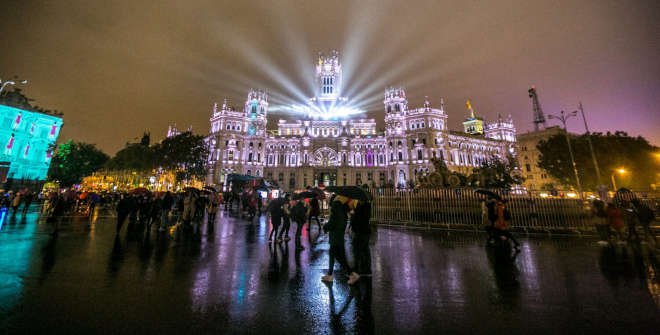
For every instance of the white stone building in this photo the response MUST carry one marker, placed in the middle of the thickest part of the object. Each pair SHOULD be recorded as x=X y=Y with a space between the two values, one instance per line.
x=329 y=146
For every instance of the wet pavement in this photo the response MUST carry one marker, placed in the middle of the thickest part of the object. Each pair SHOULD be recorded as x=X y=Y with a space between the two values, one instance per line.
x=229 y=280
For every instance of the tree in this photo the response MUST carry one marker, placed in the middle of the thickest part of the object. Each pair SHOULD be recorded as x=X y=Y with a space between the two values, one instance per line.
x=74 y=160
x=497 y=173
x=134 y=157
x=185 y=153
x=613 y=151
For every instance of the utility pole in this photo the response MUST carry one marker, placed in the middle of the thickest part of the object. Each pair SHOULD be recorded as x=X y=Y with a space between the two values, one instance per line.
x=591 y=147
x=563 y=117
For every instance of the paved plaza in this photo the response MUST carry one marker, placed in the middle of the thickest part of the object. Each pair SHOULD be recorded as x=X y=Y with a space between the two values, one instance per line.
x=228 y=279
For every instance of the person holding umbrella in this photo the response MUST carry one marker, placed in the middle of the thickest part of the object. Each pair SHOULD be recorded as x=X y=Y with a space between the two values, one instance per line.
x=361 y=234
x=276 y=212
x=314 y=212
x=336 y=227
x=299 y=214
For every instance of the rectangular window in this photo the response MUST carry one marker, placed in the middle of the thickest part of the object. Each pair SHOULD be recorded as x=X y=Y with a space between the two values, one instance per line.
x=528 y=167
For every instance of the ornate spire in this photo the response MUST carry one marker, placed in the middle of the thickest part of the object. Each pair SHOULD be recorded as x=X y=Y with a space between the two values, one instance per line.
x=469 y=107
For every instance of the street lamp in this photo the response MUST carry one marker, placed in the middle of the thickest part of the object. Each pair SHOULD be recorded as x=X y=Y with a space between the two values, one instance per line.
x=563 y=117
x=619 y=171
x=10 y=82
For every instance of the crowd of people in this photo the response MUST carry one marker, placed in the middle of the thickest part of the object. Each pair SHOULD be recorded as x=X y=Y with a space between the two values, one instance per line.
x=344 y=212
x=20 y=200
x=618 y=221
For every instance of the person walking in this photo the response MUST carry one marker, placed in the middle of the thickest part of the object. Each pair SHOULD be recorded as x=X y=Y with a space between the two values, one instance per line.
x=15 y=203
x=188 y=208
x=165 y=208
x=645 y=216
x=314 y=212
x=615 y=220
x=212 y=208
x=361 y=234
x=27 y=201
x=286 y=220
x=275 y=210
x=299 y=214
x=124 y=208
x=57 y=213
x=599 y=215
x=501 y=225
x=336 y=227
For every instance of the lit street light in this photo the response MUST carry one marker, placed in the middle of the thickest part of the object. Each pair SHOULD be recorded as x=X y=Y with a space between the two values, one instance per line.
x=619 y=171
x=563 y=117
x=10 y=82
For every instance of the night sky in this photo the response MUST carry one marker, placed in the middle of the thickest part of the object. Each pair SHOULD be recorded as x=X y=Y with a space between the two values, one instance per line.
x=117 y=68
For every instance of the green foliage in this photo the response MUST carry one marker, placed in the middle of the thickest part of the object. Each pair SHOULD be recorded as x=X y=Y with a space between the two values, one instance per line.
x=185 y=153
x=133 y=157
x=74 y=160
x=497 y=173
x=613 y=151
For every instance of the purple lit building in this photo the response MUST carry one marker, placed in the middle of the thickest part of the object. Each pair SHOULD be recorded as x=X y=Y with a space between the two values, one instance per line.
x=329 y=146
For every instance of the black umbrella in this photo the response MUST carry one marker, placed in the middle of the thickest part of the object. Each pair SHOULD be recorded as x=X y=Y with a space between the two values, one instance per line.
x=319 y=192
x=191 y=189
x=305 y=195
x=353 y=192
x=210 y=188
x=624 y=194
x=489 y=194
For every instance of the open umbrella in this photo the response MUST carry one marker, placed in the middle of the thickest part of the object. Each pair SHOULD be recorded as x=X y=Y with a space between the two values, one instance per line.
x=191 y=189
x=353 y=192
x=489 y=194
x=305 y=195
x=320 y=194
x=624 y=194
x=139 y=190
x=210 y=188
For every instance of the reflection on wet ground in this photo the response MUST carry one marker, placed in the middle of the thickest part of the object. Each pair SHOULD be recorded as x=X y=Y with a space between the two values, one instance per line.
x=228 y=279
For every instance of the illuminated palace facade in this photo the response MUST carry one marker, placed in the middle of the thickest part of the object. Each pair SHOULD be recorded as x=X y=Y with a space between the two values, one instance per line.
x=327 y=146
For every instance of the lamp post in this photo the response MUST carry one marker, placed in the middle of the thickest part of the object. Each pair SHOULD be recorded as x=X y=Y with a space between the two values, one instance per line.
x=563 y=117
x=620 y=171
x=9 y=82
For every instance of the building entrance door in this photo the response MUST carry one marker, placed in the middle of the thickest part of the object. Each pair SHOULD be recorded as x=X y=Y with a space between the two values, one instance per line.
x=325 y=178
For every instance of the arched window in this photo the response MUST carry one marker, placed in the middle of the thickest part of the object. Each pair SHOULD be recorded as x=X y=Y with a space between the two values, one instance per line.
x=400 y=156
x=419 y=155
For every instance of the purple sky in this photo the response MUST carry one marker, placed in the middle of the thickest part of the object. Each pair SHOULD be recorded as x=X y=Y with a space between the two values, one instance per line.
x=117 y=68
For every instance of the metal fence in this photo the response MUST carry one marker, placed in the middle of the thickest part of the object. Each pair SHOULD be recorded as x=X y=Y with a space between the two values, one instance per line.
x=462 y=209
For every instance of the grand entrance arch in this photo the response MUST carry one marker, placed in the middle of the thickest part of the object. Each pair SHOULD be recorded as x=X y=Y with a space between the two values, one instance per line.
x=326 y=161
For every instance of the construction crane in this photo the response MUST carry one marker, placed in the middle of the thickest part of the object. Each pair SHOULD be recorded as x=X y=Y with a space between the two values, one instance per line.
x=539 y=118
